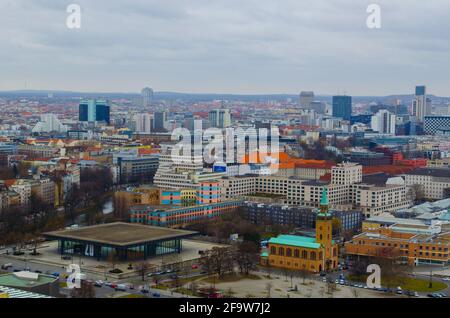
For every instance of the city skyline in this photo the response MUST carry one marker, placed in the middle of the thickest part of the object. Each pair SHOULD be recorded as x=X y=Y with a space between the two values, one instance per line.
x=246 y=48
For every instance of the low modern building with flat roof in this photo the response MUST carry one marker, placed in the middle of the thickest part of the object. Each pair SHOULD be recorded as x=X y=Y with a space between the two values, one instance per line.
x=122 y=241
x=31 y=282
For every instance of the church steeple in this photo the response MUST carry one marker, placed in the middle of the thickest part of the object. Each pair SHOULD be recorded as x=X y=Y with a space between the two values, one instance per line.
x=324 y=202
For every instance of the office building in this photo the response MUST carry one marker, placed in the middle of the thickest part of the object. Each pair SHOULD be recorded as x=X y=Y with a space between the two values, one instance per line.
x=383 y=122
x=342 y=107
x=306 y=98
x=94 y=111
x=435 y=124
x=421 y=105
x=431 y=183
x=220 y=118
x=143 y=123
x=159 y=121
x=147 y=96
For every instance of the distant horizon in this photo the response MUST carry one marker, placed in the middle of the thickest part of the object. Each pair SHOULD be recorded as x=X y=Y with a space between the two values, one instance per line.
x=68 y=91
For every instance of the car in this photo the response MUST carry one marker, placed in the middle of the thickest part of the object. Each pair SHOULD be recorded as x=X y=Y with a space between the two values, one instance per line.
x=443 y=295
x=336 y=281
x=194 y=266
x=446 y=279
x=98 y=283
x=7 y=266
x=434 y=295
x=399 y=290
x=156 y=295
x=121 y=287
x=145 y=291
x=415 y=294
x=322 y=274
x=324 y=279
x=169 y=271
x=55 y=274
x=341 y=281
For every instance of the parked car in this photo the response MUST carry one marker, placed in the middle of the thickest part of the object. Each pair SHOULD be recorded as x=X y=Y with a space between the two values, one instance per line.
x=446 y=279
x=322 y=274
x=98 y=283
x=156 y=295
x=7 y=266
x=121 y=287
x=399 y=290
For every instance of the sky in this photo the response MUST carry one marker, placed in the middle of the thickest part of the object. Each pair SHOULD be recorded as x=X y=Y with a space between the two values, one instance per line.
x=226 y=46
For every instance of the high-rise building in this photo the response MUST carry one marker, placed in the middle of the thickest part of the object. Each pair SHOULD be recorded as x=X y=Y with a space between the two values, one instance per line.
x=342 y=107
x=147 y=96
x=143 y=123
x=159 y=121
x=421 y=105
x=220 y=118
x=383 y=122
x=94 y=111
x=306 y=98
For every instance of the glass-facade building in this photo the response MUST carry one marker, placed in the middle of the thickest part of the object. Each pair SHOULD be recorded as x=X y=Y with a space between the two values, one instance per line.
x=94 y=110
x=342 y=107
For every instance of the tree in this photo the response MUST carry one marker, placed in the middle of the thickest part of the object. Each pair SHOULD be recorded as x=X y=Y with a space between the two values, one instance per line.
x=143 y=269
x=247 y=256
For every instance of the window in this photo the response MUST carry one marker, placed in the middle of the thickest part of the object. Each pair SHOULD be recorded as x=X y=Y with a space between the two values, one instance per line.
x=288 y=252
x=273 y=250
x=304 y=254
x=281 y=251
x=312 y=256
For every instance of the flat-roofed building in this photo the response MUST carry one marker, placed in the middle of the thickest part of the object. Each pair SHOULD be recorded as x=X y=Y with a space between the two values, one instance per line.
x=122 y=241
x=432 y=182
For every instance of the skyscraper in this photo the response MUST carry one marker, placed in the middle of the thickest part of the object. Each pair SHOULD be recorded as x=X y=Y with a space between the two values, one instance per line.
x=147 y=96
x=421 y=105
x=143 y=123
x=342 y=107
x=94 y=110
x=383 y=122
x=159 y=121
x=220 y=118
x=306 y=98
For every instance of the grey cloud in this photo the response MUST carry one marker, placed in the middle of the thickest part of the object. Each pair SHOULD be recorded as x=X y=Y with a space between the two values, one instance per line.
x=241 y=46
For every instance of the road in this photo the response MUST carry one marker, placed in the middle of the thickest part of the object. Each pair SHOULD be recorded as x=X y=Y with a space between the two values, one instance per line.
x=101 y=292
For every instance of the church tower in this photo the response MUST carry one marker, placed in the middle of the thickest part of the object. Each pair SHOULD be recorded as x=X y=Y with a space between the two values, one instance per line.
x=324 y=228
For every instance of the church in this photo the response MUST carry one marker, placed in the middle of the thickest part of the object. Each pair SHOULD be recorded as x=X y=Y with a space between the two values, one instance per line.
x=313 y=254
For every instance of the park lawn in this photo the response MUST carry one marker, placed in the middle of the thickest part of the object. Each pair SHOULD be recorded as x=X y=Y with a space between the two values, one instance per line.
x=406 y=283
x=229 y=278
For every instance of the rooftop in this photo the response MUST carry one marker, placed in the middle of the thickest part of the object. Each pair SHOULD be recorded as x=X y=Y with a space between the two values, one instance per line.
x=119 y=234
x=433 y=172
x=14 y=280
x=294 y=240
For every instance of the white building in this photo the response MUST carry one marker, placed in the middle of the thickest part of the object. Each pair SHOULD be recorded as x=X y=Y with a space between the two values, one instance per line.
x=383 y=122
x=432 y=183
x=346 y=173
x=49 y=123
x=143 y=122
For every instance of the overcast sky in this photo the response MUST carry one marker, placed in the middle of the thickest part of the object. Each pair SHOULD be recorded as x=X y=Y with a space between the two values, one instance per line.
x=226 y=46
